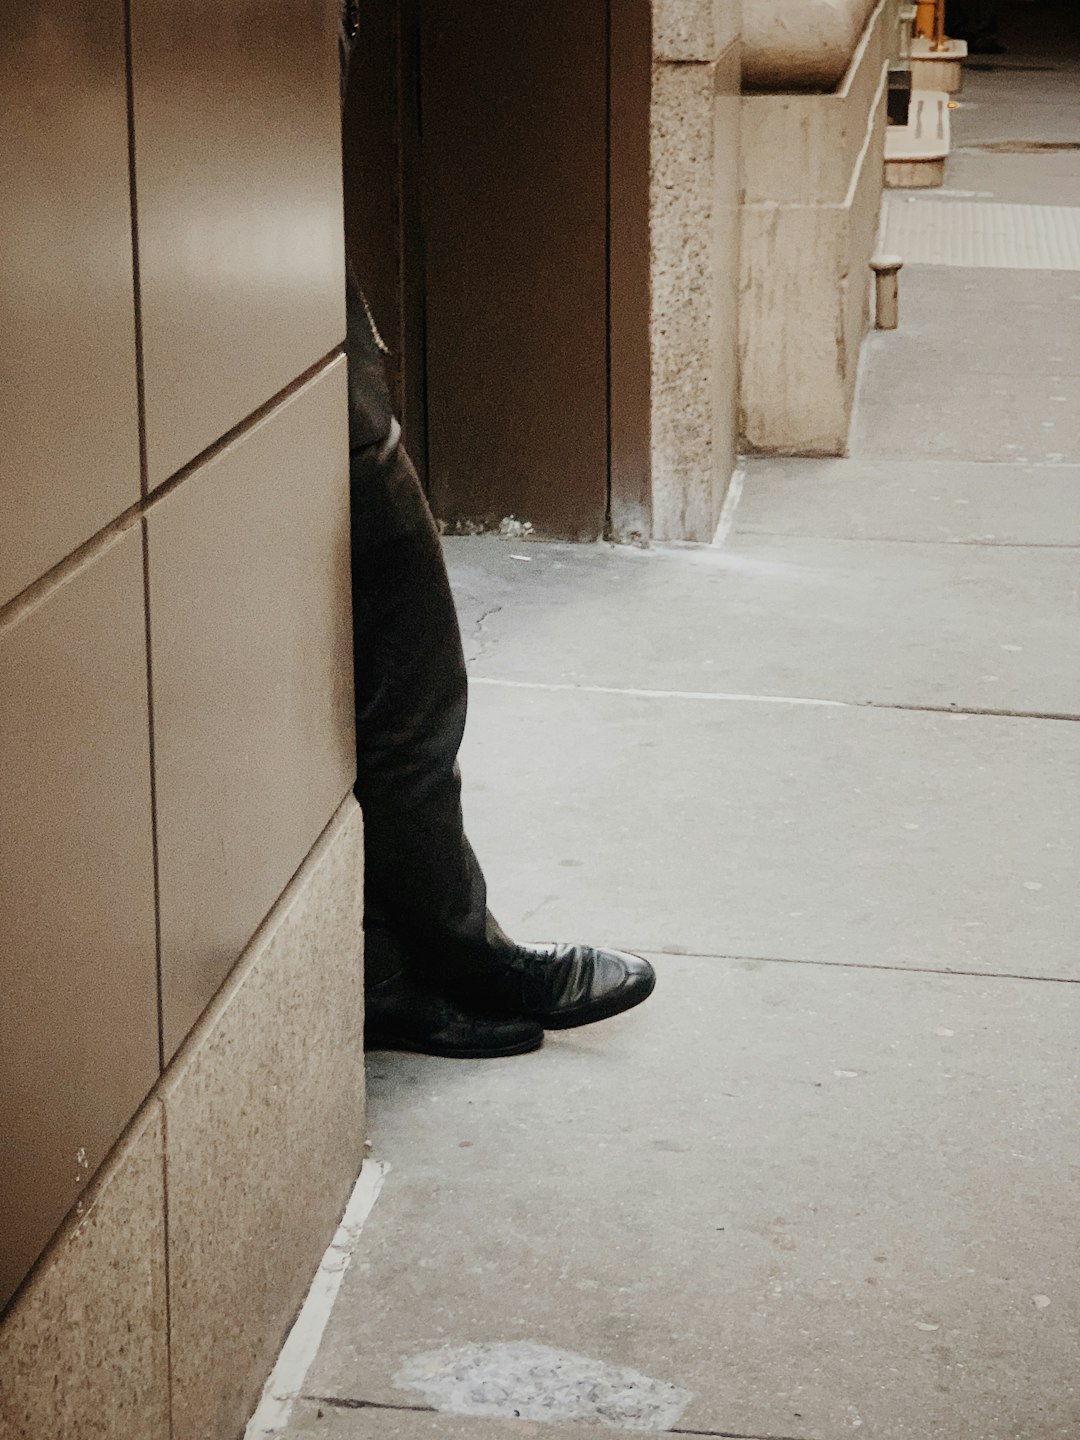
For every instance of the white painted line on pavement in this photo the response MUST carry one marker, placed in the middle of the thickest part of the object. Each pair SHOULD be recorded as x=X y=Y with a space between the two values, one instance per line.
x=302 y=1344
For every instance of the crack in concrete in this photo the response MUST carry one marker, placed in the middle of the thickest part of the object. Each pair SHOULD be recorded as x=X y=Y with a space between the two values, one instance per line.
x=348 y=1402
x=479 y=637
x=732 y=1435
x=972 y=544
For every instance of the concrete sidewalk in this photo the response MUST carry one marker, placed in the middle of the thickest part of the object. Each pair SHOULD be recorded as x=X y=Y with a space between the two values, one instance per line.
x=825 y=1182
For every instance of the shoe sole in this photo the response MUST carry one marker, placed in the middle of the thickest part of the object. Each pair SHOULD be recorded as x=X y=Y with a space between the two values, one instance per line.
x=615 y=1004
x=450 y=1052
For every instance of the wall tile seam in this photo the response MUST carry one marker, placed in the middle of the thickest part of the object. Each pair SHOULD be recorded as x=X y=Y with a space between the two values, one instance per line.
x=33 y=596
x=80 y=1213
x=167 y=1257
x=136 y=275
x=155 y=846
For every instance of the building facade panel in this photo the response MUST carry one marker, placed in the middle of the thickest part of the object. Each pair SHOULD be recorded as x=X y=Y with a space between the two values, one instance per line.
x=238 y=165
x=80 y=1025
x=252 y=677
x=69 y=443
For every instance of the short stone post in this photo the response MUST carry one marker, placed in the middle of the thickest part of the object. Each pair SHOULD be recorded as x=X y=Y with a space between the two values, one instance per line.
x=886 y=270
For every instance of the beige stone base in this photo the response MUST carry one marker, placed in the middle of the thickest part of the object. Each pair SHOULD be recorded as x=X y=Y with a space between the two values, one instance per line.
x=938 y=69
x=915 y=153
x=812 y=183
x=914 y=174
x=158 y=1310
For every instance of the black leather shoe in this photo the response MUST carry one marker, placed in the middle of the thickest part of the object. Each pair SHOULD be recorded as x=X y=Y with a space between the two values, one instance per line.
x=399 y=1015
x=563 y=986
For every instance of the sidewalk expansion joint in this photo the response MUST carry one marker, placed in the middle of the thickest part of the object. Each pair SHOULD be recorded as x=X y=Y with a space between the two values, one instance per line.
x=972 y=544
x=858 y=965
x=734 y=697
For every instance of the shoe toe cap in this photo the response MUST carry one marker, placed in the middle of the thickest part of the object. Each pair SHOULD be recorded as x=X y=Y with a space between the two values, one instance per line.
x=639 y=973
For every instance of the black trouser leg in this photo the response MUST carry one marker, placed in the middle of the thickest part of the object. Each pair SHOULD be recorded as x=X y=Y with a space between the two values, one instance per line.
x=424 y=890
x=425 y=896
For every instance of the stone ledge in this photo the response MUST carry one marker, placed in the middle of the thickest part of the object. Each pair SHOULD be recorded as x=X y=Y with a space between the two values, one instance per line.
x=801 y=44
x=938 y=69
x=805 y=278
x=804 y=149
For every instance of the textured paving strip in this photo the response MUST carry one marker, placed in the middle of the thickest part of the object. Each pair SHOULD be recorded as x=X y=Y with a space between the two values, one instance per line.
x=975 y=234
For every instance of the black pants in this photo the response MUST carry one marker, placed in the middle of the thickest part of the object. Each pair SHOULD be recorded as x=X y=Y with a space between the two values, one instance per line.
x=425 y=897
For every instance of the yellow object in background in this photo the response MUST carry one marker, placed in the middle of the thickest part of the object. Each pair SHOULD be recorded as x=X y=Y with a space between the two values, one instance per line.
x=930 y=21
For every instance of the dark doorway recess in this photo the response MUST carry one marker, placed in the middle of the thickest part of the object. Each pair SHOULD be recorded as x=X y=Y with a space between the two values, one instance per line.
x=497 y=206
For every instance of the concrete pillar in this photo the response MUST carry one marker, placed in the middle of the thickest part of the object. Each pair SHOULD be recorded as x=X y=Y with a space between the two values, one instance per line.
x=695 y=248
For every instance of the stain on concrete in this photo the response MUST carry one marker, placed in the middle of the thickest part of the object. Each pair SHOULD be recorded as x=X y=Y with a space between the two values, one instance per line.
x=990 y=68
x=524 y=1381
x=1025 y=147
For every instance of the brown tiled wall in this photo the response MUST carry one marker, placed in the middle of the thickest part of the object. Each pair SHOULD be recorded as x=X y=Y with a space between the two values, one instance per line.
x=212 y=598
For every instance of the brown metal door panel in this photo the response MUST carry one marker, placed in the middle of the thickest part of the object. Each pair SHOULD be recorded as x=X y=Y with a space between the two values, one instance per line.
x=384 y=236
x=238 y=170
x=78 y=1016
x=371 y=145
x=69 y=431
x=514 y=127
x=251 y=640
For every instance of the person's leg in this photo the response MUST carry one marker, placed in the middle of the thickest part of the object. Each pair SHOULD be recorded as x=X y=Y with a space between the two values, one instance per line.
x=425 y=891
x=423 y=882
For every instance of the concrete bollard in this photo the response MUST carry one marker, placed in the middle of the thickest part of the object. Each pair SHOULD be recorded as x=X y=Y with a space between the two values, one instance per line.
x=886 y=270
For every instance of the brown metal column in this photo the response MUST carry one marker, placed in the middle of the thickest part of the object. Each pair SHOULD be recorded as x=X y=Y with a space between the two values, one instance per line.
x=514 y=125
x=383 y=230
